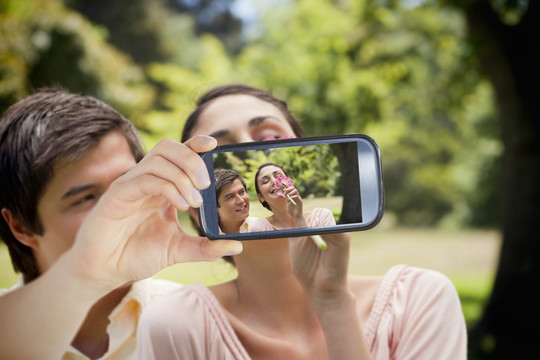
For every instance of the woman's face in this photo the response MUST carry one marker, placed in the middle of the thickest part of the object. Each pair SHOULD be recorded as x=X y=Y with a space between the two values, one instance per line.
x=266 y=178
x=242 y=118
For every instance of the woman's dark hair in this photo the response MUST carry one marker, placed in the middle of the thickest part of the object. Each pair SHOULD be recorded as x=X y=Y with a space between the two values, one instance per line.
x=264 y=203
x=239 y=89
x=36 y=133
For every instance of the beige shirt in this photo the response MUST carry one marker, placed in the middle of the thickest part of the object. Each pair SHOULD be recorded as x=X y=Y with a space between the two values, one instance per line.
x=124 y=319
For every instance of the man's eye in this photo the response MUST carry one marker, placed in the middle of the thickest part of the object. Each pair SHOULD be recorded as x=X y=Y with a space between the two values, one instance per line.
x=85 y=199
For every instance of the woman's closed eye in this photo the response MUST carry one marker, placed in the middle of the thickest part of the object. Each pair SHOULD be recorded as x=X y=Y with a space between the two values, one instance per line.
x=272 y=137
x=269 y=137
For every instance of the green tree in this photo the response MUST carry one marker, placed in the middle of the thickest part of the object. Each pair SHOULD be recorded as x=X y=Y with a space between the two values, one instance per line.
x=148 y=31
x=45 y=44
x=401 y=75
x=503 y=35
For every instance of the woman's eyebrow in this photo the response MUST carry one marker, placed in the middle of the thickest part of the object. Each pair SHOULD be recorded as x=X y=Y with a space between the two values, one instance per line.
x=256 y=121
x=253 y=122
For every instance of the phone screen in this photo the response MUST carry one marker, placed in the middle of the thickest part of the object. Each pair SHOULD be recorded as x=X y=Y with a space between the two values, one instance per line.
x=339 y=176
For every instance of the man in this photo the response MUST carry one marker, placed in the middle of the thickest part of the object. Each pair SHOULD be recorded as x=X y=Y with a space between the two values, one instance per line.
x=232 y=201
x=84 y=215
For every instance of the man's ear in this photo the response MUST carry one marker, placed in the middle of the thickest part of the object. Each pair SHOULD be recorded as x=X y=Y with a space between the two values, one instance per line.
x=18 y=230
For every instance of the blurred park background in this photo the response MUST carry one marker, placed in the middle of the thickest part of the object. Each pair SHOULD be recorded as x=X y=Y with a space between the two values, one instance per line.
x=445 y=87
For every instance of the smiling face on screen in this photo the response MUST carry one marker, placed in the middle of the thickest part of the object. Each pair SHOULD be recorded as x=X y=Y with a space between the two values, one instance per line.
x=233 y=205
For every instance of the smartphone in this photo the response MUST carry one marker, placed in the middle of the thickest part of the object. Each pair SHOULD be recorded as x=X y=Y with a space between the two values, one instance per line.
x=340 y=174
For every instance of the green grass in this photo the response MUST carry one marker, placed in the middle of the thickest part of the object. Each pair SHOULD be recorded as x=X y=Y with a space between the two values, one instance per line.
x=467 y=257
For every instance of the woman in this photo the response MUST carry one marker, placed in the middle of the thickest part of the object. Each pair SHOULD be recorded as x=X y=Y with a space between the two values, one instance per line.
x=286 y=204
x=290 y=299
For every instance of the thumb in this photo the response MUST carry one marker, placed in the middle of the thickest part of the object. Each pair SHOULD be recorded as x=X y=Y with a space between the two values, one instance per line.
x=197 y=248
x=216 y=249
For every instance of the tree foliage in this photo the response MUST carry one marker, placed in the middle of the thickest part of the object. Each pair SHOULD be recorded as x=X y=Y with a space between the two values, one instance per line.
x=44 y=44
x=314 y=168
x=148 y=31
x=402 y=75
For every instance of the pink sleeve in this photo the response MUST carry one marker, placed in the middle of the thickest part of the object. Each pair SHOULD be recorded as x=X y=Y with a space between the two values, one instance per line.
x=187 y=324
x=321 y=217
x=423 y=319
x=259 y=224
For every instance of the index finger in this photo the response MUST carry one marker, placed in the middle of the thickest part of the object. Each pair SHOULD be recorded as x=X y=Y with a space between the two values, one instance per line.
x=182 y=157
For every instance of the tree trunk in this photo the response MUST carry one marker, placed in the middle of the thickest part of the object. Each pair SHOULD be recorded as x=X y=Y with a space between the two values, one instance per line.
x=351 y=211
x=510 y=58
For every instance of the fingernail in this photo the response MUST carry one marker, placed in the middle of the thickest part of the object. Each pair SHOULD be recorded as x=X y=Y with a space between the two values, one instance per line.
x=205 y=139
x=202 y=178
x=196 y=196
x=183 y=201
x=234 y=252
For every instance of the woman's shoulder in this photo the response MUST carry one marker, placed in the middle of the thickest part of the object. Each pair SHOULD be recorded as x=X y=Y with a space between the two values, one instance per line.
x=418 y=281
x=402 y=287
x=417 y=306
x=402 y=281
x=406 y=294
x=320 y=217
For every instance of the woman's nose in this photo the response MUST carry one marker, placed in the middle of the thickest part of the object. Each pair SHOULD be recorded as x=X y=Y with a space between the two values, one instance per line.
x=243 y=136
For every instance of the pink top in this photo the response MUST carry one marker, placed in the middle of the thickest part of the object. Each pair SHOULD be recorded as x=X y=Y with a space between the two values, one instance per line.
x=416 y=315
x=316 y=218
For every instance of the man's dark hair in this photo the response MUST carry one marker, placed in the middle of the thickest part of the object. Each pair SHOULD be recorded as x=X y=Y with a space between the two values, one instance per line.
x=36 y=133
x=239 y=89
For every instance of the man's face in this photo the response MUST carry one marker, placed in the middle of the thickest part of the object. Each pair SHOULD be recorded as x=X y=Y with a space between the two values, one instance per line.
x=233 y=204
x=73 y=191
